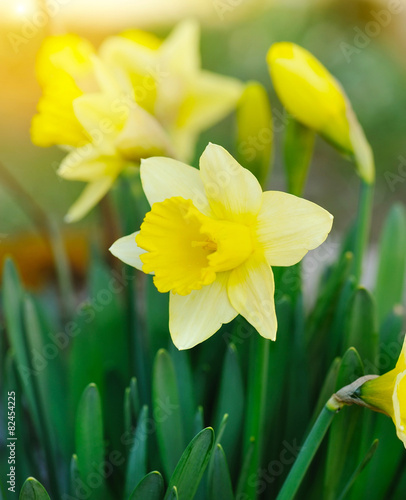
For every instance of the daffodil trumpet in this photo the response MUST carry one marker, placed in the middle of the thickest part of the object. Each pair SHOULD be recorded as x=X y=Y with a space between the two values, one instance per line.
x=211 y=238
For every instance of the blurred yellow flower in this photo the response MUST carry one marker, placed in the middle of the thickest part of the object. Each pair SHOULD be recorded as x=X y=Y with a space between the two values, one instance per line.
x=211 y=238
x=316 y=99
x=139 y=97
x=387 y=394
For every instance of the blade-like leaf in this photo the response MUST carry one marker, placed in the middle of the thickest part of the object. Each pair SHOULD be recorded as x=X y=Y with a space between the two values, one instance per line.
x=390 y=280
x=89 y=439
x=230 y=401
x=137 y=458
x=151 y=487
x=33 y=490
x=362 y=330
x=167 y=413
x=220 y=487
x=191 y=466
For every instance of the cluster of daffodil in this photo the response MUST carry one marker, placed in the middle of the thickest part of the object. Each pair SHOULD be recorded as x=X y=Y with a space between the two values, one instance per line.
x=137 y=97
x=212 y=235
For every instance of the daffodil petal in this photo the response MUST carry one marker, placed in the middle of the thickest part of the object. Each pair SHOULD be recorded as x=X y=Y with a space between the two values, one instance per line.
x=164 y=178
x=399 y=406
x=210 y=99
x=127 y=250
x=251 y=291
x=288 y=227
x=89 y=164
x=98 y=116
x=233 y=191
x=195 y=317
x=142 y=136
x=128 y=55
x=401 y=364
x=180 y=53
x=90 y=196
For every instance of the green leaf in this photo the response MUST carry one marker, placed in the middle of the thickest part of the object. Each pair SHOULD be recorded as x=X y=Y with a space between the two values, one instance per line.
x=151 y=487
x=89 y=439
x=298 y=151
x=345 y=433
x=255 y=131
x=184 y=380
x=74 y=476
x=230 y=401
x=220 y=487
x=328 y=296
x=33 y=490
x=365 y=461
x=172 y=495
x=131 y=405
x=244 y=475
x=12 y=300
x=199 y=420
x=191 y=466
x=361 y=329
x=391 y=337
x=167 y=412
x=137 y=458
x=48 y=388
x=390 y=280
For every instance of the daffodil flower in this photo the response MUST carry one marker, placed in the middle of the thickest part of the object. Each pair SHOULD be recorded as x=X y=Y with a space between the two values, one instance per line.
x=387 y=394
x=316 y=99
x=138 y=97
x=211 y=238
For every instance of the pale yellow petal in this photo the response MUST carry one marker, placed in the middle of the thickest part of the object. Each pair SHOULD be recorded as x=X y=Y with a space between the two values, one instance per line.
x=164 y=178
x=401 y=364
x=180 y=53
x=89 y=197
x=89 y=163
x=399 y=406
x=233 y=191
x=98 y=117
x=131 y=56
x=142 y=136
x=288 y=227
x=127 y=250
x=195 y=317
x=210 y=98
x=251 y=291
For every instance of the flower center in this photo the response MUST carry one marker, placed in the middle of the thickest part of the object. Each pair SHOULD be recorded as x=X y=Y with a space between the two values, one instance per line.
x=185 y=249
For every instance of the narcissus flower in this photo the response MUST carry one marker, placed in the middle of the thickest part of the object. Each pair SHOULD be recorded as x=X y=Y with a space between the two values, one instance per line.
x=387 y=394
x=211 y=238
x=138 y=97
x=316 y=99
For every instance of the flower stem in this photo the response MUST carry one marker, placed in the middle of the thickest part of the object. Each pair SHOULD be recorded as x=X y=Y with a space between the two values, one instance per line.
x=257 y=392
x=308 y=450
x=363 y=226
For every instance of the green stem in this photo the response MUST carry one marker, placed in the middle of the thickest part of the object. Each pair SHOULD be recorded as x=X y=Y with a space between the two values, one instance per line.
x=308 y=450
x=363 y=226
x=257 y=392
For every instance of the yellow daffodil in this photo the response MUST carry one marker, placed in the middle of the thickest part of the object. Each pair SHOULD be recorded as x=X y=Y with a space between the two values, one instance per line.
x=211 y=238
x=387 y=394
x=139 y=97
x=168 y=81
x=316 y=99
